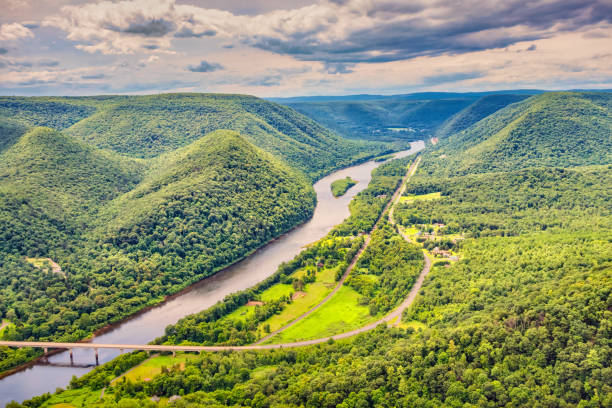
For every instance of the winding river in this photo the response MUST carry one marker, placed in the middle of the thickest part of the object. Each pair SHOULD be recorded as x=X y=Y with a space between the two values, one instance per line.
x=144 y=327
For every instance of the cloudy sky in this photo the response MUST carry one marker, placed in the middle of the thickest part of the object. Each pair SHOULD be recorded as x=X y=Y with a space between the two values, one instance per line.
x=302 y=47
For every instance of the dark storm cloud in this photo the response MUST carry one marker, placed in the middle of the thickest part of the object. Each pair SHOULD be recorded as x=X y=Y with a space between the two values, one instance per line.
x=93 y=76
x=154 y=28
x=338 y=68
x=205 y=66
x=187 y=32
x=398 y=31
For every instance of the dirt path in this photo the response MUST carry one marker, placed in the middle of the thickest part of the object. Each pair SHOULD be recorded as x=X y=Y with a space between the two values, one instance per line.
x=390 y=206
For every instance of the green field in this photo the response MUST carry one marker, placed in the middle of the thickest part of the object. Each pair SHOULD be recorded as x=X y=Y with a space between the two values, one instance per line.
x=312 y=295
x=340 y=314
x=153 y=366
x=77 y=398
x=420 y=197
x=302 y=301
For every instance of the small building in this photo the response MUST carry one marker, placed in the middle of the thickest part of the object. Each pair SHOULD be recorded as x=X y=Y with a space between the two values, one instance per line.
x=441 y=253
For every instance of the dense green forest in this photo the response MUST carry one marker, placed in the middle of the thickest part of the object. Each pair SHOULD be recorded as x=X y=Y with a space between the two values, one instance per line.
x=137 y=197
x=341 y=186
x=520 y=201
x=128 y=232
x=386 y=119
x=332 y=252
x=560 y=129
x=491 y=337
x=147 y=126
x=522 y=318
x=478 y=110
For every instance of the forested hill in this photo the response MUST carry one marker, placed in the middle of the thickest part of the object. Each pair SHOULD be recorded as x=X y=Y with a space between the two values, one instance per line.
x=127 y=231
x=515 y=312
x=554 y=129
x=384 y=119
x=478 y=110
x=10 y=131
x=147 y=126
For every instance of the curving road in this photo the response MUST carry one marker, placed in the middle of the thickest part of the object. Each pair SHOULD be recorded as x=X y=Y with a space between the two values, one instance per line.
x=397 y=312
x=396 y=194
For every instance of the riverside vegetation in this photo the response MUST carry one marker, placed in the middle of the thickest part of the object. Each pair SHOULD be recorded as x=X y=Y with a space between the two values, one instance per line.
x=340 y=187
x=521 y=319
x=137 y=197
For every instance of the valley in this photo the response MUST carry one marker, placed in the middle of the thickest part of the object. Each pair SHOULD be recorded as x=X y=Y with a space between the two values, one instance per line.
x=473 y=267
x=240 y=276
x=305 y=204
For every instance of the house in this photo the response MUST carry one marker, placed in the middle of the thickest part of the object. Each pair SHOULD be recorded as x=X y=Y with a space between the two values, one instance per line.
x=442 y=253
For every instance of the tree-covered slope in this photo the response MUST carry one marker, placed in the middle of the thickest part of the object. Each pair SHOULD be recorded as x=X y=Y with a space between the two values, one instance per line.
x=50 y=184
x=478 y=110
x=214 y=201
x=127 y=232
x=146 y=126
x=554 y=129
x=10 y=132
x=384 y=119
x=54 y=112
x=515 y=202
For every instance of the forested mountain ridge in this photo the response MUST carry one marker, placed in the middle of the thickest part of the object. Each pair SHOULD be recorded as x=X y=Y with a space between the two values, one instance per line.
x=554 y=129
x=51 y=184
x=127 y=231
x=207 y=190
x=478 y=110
x=10 y=132
x=147 y=126
x=521 y=318
x=55 y=112
x=384 y=119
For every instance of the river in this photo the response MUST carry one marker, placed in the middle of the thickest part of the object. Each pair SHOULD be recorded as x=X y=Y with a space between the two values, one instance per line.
x=143 y=328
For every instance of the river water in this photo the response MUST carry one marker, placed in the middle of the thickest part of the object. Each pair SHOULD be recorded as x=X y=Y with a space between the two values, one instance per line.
x=330 y=211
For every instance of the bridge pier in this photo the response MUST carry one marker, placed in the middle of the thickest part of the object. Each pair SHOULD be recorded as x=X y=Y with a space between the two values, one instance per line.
x=96 y=352
x=71 y=357
x=120 y=351
x=45 y=350
x=173 y=354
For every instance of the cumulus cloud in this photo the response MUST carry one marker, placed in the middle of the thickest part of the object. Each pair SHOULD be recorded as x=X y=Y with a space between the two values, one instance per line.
x=333 y=31
x=338 y=68
x=205 y=66
x=14 y=31
x=117 y=27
